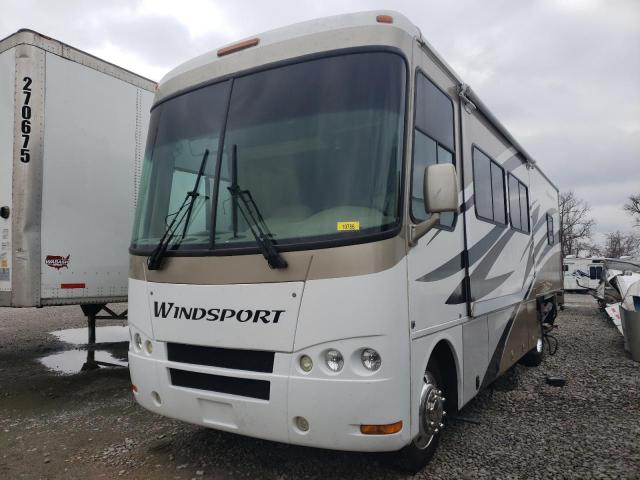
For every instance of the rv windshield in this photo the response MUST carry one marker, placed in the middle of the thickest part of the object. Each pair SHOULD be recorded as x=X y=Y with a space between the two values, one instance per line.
x=318 y=144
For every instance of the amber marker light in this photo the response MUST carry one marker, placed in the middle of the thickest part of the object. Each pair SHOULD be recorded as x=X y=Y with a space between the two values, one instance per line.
x=236 y=47
x=384 y=19
x=381 y=429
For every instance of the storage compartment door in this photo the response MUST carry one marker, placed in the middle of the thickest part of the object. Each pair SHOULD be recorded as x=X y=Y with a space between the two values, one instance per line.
x=475 y=340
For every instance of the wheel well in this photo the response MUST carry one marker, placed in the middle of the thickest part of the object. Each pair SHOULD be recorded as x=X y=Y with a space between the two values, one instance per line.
x=443 y=356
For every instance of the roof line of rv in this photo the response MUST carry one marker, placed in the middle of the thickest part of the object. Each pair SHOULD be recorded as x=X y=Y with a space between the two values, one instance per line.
x=471 y=99
x=64 y=50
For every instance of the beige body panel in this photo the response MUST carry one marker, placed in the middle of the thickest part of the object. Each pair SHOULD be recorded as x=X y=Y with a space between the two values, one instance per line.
x=345 y=261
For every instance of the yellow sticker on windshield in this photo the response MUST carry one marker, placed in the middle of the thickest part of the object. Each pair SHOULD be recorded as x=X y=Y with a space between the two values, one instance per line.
x=348 y=226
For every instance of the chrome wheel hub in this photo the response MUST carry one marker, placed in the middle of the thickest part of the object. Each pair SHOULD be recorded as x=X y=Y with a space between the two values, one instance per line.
x=431 y=412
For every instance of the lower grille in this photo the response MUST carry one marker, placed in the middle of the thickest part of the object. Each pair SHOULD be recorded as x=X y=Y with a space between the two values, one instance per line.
x=245 y=387
x=250 y=360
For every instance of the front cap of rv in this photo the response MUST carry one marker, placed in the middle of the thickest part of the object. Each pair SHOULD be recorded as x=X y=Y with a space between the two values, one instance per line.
x=297 y=357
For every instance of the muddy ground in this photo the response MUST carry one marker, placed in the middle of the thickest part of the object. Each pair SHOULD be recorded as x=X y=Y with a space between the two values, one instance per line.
x=59 y=422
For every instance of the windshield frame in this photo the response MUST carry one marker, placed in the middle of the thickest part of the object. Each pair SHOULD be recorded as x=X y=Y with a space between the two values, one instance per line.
x=309 y=243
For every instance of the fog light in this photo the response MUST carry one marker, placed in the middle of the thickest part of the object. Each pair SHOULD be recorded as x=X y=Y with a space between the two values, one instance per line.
x=302 y=424
x=371 y=359
x=156 y=398
x=148 y=346
x=334 y=360
x=137 y=341
x=306 y=364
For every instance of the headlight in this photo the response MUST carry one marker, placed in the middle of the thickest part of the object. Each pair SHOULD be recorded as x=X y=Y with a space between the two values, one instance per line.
x=137 y=341
x=334 y=360
x=371 y=359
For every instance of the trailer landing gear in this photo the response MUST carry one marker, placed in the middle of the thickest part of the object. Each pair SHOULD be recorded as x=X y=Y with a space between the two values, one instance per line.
x=91 y=311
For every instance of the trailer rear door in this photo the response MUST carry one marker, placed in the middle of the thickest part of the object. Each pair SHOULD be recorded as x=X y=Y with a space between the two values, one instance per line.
x=7 y=90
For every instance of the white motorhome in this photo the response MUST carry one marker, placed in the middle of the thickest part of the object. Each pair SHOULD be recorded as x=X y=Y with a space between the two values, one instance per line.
x=72 y=133
x=581 y=274
x=336 y=242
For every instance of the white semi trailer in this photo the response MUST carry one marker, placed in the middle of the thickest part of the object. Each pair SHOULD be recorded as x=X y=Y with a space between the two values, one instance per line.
x=336 y=242
x=72 y=133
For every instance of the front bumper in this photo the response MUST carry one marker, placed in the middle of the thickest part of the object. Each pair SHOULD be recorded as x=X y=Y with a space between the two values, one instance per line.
x=334 y=405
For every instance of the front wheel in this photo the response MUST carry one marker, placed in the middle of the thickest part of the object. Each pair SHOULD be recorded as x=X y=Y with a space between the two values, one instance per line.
x=419 y=452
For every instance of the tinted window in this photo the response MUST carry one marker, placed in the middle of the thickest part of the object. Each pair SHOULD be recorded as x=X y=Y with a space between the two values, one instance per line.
x=433 y=143
x=180 y=132
x=550 y=229
x=425 y=153
x=595 y=273
x=434 y=112
x=497 y=187
x=318 y=149
x=488 y=181
x=524 y=208
x=565 y=268
x=514 y=203
x=482 y=184
x=518 y=204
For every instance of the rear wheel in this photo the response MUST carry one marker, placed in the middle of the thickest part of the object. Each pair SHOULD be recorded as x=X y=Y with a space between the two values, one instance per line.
x=419 y=452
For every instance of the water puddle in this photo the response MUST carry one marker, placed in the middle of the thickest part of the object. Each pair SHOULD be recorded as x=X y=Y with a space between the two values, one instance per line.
x=74 y=361
x=79 y=336
x=110 y=350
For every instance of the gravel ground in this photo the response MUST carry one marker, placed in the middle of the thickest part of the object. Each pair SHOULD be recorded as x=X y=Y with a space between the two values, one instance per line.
x=87 y=425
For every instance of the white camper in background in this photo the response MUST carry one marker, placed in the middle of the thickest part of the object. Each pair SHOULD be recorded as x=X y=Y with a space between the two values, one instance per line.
x=335 y=243
x=581 y=274
x=72 y=132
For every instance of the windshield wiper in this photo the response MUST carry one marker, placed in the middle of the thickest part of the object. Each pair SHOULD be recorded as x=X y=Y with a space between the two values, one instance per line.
x=250 y=212
x=154 y=262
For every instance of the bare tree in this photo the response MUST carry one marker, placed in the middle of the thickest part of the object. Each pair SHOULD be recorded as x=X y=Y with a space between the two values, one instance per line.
x=591 y=249
x=575 y=223
x=618 y=244
x=633 y=208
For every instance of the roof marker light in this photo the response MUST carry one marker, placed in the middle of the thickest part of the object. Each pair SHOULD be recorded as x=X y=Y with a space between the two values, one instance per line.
x=384 y=19
x=236 y=47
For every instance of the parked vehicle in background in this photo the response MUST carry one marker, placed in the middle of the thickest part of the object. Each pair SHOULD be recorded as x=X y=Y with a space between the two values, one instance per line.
x=336 y=242
x=581 y=274
x=72 y=130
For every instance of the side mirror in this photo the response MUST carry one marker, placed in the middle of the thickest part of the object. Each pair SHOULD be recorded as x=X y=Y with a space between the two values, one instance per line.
x=440 y=193
x=440 y=188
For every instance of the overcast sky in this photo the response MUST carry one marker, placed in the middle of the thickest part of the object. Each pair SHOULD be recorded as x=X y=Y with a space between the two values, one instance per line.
x=562 y=75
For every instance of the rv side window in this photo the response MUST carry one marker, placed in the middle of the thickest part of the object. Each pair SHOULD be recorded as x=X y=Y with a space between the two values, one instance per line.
x=488 y=184
x=432 y=142
x=565 y=268
x=595 y=273
x=518 y=204
x=550 y=229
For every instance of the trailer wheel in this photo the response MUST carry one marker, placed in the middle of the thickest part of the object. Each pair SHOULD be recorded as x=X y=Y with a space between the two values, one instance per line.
x=534 y=357
x=419 y=452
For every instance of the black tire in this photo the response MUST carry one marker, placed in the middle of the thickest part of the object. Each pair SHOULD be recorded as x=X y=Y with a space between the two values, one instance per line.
x=411 y=458
x=535 y=356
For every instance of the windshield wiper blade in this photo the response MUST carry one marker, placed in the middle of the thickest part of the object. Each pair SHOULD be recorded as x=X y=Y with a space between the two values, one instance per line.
x=154 y=262
x=250 y=212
